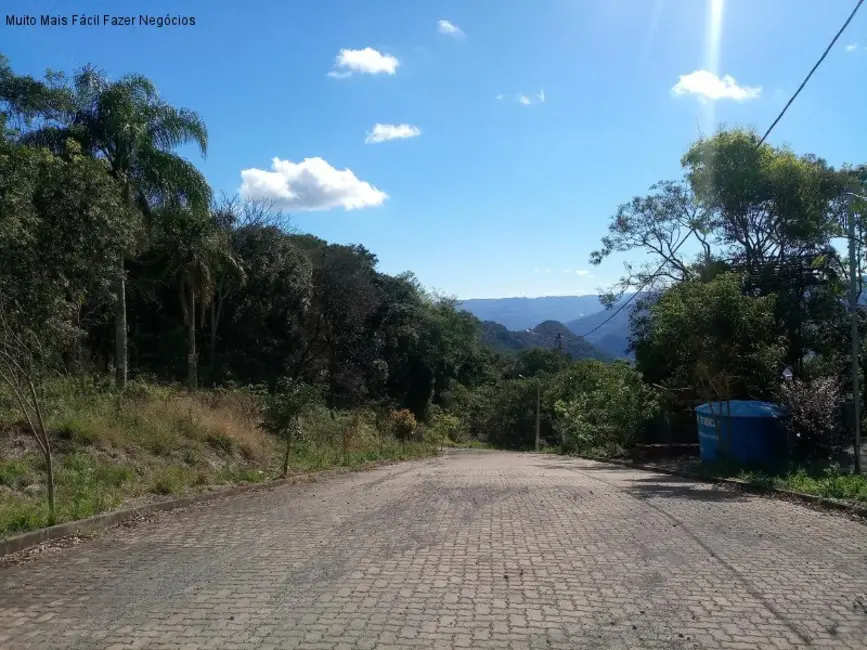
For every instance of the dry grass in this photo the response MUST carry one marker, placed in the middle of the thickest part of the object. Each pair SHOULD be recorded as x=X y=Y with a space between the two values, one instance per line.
x=224 y=422
x=154 y=441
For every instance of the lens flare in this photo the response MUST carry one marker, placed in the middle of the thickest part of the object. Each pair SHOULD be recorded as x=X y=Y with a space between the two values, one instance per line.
x=712 y=45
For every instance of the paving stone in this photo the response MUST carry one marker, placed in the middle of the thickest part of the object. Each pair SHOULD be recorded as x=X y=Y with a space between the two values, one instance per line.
x=469 y=550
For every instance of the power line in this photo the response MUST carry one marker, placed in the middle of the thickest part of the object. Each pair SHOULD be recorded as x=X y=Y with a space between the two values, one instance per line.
x=764 y=137
x=643 y=285
x=807 y=78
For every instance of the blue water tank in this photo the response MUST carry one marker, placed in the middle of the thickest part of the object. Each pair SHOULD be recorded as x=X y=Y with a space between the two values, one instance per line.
x=749 y=432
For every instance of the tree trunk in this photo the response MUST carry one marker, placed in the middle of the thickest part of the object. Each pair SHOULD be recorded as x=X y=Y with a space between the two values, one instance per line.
x=286 y=455
x=120 y=334
x=290 y=433
x=192 y=379
x=73 y=351
x=50 y=480
x=212 y=344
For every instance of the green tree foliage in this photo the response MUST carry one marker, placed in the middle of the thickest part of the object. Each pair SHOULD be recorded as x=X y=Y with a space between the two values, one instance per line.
x=658 y=224
x=599 y=405
x=763 y=203
x=710 y=340
x=504 y=414
x=63 y=230
x=757 y=283
x=539 y=361
x=283 y=407
x=194 y=252
x=126 y=124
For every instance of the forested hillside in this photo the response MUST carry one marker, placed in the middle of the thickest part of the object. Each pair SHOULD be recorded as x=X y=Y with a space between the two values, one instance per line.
x=524 y=313
x=549 y=335
x=608 y=329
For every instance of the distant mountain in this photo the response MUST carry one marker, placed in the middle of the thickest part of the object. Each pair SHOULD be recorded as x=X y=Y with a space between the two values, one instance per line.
x=543 y=335
x=523 y=313
x=612 y=337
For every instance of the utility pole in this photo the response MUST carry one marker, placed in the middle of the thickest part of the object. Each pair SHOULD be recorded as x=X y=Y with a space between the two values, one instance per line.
x=538 y=410
x=853 y=316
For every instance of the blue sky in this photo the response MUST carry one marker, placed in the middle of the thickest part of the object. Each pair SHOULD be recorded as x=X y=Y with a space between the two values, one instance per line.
x=494 y=197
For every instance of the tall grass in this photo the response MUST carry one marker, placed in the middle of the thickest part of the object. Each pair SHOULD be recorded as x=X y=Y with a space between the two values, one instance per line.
x=155 y=441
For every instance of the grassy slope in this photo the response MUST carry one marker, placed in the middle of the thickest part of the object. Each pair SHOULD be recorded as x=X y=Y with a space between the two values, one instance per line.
x=159 y=441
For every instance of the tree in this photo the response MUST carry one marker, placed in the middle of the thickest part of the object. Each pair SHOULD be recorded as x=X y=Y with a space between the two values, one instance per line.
x=536 y=361
x=402 y=375
x=263 y=325
x=283 y=408
x=22 y=352
x=343 y=301
x=127 y=124
x=702 y=335
x=761 y=211
x=68 y=210
x=195 y=251
x=773 y=215
x=234 y=216
x=658 y=224
x=763 y=203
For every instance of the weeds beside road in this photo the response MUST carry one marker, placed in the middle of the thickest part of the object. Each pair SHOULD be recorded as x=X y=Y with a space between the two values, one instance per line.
x=828 y=481
x=112 y=451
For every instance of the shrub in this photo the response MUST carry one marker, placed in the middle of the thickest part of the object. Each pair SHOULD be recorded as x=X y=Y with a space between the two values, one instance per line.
x=446 y=426
x=403 y=424
x=599 y=405
x=814 y=424
x=283 y=409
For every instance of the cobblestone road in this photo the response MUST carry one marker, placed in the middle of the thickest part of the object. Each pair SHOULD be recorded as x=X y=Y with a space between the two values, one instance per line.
x=472 y=550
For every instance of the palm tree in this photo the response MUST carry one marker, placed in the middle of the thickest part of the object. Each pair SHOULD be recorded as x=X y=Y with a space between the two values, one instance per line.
x=127 y=124
x=196 y=252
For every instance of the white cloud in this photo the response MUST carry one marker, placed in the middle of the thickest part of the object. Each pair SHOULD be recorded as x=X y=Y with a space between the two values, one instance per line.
x=310 y=185
x=526 y=100
x=852 y=47
x=449 y=29
x=500 y=97
x=706 y=85
x=366 y=61
x=384 y=132
x=582 y=272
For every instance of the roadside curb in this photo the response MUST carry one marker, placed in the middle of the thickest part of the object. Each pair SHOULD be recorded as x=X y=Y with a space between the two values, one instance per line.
x=33 y=538
x=807 y=499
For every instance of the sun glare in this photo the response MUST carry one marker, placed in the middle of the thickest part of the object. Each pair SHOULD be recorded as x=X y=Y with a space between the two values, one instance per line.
x=712 y=43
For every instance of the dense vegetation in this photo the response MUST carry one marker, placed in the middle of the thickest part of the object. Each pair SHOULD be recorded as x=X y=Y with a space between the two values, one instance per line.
x=763 y=292
x=122 y=276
